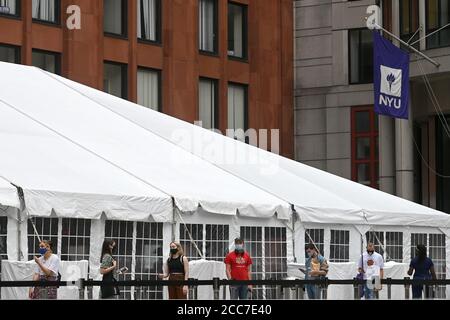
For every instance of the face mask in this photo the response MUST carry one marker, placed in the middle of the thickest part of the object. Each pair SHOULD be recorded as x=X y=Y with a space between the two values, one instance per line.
x=370 y=252
x=173 y=251
x=310 y=253
x=42 y=251
x=239 y=248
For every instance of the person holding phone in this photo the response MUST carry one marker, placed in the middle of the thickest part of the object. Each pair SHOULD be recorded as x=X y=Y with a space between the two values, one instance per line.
x=47 y=269
x=107 y=267
x=176 y=268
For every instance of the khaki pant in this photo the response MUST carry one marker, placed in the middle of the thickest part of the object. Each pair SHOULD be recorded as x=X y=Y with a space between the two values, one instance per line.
x=176 y=292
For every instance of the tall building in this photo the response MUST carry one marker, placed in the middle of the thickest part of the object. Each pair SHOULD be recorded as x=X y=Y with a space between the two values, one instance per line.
x=226 y=63
x=336 y=128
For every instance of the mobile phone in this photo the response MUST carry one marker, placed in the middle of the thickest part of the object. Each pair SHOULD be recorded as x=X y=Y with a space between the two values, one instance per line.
x=123 y=270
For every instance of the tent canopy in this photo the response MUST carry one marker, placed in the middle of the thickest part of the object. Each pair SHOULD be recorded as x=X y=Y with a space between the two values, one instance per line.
x=8 y=194
x=318 y=196
x=63 y=148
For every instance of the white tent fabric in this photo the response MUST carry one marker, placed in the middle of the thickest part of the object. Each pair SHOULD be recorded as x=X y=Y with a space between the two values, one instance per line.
x=8 y=194
x=319 y=197
x=80 y=122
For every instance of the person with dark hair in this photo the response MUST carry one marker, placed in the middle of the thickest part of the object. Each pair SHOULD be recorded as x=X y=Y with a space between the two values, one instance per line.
x=107 y=267
x=238 y=267
x=423 y=269
x=316 y=268
x=176 y=268
x=47 y=269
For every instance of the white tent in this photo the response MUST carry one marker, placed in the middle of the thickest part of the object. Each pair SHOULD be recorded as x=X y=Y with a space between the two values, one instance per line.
x=78 y=153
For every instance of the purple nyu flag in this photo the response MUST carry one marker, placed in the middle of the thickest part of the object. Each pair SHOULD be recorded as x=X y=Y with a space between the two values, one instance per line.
x=390 y=78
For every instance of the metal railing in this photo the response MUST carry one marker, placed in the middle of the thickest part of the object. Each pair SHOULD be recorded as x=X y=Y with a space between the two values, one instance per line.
x=296 y=286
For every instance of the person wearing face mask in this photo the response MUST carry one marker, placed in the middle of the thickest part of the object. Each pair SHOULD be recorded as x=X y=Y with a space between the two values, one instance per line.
x=423 y=269
x=47 y=269
x=316 y=267
x=238 y=267
x=371 y=265
x=176 y=268
x=107 y=267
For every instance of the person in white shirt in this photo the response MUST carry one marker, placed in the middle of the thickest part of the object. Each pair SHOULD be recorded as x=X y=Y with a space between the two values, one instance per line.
x=371 y=265
x=47 y=269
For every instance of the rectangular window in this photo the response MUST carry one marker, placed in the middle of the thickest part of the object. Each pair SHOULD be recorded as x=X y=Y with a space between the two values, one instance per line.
x=316 y=237
x=360 y=56
x=9 y=54
x=409 y=21
x=340 y=246
x=237 y=107
x=237 y=30
x=3 y=240
x=207 y=13
x=377 y=238
x=149 y=88
x=253 y=241
x=47 y=229
x=437 y=16
x=10 y=7
x=275 y=253
x=217 y=241
x=46 y=10
x=75 y=239
x=115 y=17
x=115 y=79
x=122 y=233
x=417 y=238
x=149 y=259
x=48 y=61
x=394 y=246
x=436 y=251
x=149 y=20
x=196 y=232
x=365 y=157
x=208 y=103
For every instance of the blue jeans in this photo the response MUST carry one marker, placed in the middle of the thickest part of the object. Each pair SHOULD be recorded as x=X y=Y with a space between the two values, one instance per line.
x=313 y=291
x=239 y=292
x=368 y=293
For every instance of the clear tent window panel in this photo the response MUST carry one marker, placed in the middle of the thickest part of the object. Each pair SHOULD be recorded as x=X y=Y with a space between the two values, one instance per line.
x=340 y=246
x=394 y=246
x=75 y=239
x=436 y=251
x=275 y=253
x=47 y=229
x=377 y=238
x=196 y=232
x=3 y=240
x=217 y=241
x=316 y=237
x=253 y=241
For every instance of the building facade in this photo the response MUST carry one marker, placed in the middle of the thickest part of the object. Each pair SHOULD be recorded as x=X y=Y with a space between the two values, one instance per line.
x=226 y=63
x=336 y=128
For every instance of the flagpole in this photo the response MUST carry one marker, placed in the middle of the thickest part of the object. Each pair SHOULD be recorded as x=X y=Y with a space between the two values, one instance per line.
x=437 y=64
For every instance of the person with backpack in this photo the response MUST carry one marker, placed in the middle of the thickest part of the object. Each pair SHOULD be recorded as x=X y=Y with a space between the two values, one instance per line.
x=423 y=269
x=316 y=268
x=47 y=269
x=176 y=268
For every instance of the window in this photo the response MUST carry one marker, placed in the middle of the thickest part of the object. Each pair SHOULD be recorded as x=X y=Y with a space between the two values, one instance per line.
x=115 y=17
x=3 y=240
x=10 y=7
x=122 y=233
x=149 y=89
x=340 y=246
x=217 y=241
x=114 y=80
x=436 y=251
x=237 y=107
x=149 y=259
x=196 y=232
x=75 y=239
x=443 y=165
x=268 y=250
x=377 y=238
x=9 y=54
x=361 y=56
x=438 y=15
x=148 y=19
x=417 y=238
x=365 y=168
x=46 y=10
x=47 y=229
x=207 y=103
x=316 y=237
x=237 y=30
x=253 y=242
x=207 y=25
x=409 y=21
x=47 y=61
x=394 y=246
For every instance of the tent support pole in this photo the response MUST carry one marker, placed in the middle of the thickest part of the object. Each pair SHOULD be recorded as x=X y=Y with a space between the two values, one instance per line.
x=294 y=219
x=174 y=219
x=19 y=221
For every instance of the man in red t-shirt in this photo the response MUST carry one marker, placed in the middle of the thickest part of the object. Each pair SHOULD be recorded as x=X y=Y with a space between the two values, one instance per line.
x=238 y=263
